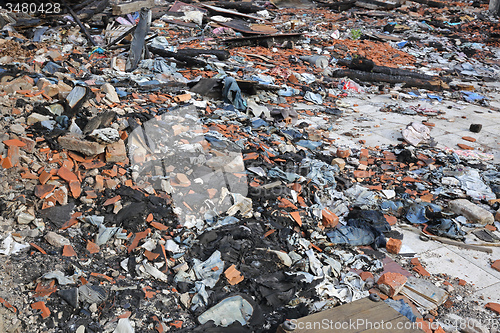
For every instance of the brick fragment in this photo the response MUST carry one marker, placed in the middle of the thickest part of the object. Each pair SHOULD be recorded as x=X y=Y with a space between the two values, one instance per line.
x=393 y=245
x=329 y=219
x=74 y=143
x=391 y=283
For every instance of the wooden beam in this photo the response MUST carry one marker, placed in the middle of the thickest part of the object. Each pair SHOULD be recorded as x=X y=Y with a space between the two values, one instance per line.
x=131 y=7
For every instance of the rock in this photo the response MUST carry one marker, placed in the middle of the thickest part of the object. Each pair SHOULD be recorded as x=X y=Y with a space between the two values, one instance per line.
x=88 y=148
x=475 y=128
x=393 y=245
x=105 y=135
x=474 y=326
x=17 y=128
x=56 y=240
x=391 y=283
x=471 y=211
x=110 y=92
x=339 y=162
x=25 y=218
x=116 y=152
x=36 y=118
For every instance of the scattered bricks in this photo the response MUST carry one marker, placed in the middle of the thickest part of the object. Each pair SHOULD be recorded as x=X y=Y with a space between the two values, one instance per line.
x=68 y=251
x=75 y=188
x=182 y=98
x=392 y=220
x=339 y=162
x=471 y=211
x=496 y=265
x=88 y=148
x=468 y=138
x=343 y=153
x=56 y=240
x=393 y=245
x=14 y=143
x=364 y=154
x=41 y=191
x=361 y=174
x=296 y=217
x=462 y=282
x=366 y=275
x=45 y=312
x=92 y=247
x=66 y=174
x=391 y=283
x=464 y=147
x=475 y=128
x=421 y=270
x=329 y=219
x=233 y=275
x=116 y=152
x=137 y=239
x=376 y=291
x=495 y=307
x=44 y=177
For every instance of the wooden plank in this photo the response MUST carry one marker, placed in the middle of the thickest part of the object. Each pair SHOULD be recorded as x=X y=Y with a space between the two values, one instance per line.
x=359 y=316
x=131 y=7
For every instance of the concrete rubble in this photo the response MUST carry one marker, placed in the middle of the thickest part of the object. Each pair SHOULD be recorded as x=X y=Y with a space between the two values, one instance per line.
x=231 y=166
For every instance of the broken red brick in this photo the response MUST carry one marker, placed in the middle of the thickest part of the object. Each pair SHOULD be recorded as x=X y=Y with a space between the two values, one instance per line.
x=112 y=200
x=41 y=191
x=462 y=282
x=14 y=143
x=391 y=283
x=393 y=245
x=468 y=138
x=495 y=307
x=137 y=238
x=7 y=305
x=366 y=275
x=68 y=251
x=233 y=275
x=92 y=247
x=102 y=276
x=296 y=217
x=159 y=226
x=496 y=265
x=392 y=220
x=329 y=219
x=464 y=146
x=151 y=255
x=45 y=312
x=38 y=248
x=343 y=153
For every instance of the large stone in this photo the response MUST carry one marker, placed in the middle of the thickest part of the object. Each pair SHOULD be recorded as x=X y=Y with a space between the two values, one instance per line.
x=110 y=92
x=36 y=118
x=74 y=143
x=472 y=212
x=116 y=152
x=56 y=240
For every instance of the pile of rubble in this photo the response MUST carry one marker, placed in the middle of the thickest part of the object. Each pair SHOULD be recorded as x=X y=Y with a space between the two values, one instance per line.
x=192 y=167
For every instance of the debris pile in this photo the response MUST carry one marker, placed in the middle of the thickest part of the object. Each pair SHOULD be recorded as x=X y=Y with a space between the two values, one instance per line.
x=203 y=167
